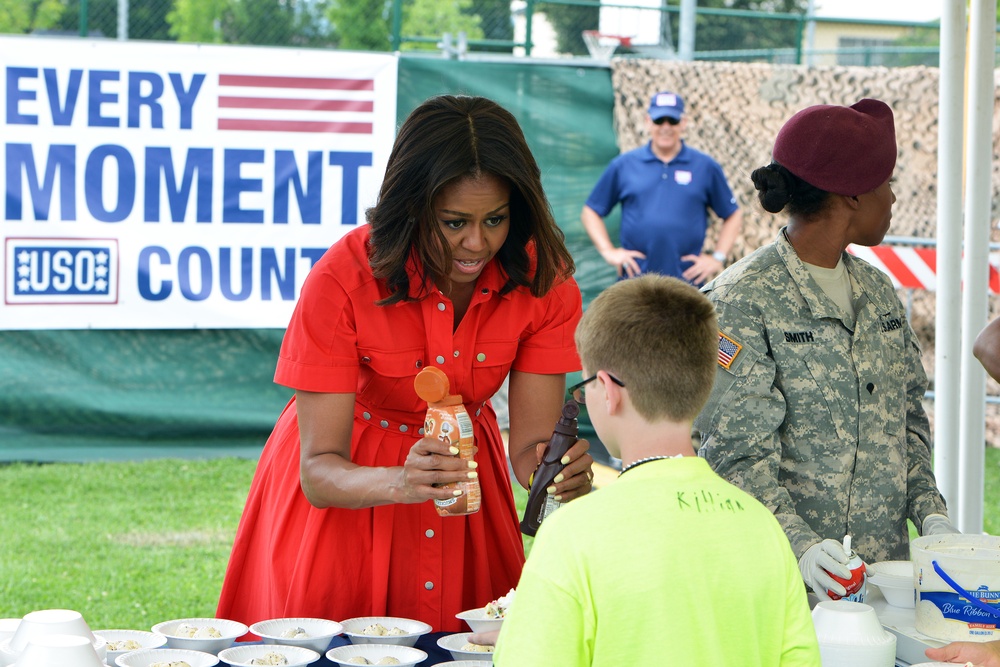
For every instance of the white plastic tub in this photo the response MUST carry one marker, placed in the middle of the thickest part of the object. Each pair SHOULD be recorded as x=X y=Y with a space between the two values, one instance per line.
x=972 y=564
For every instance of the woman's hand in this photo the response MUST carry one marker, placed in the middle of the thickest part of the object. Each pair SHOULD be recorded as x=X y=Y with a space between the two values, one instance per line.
x=329 y=477
x=431 y=462
x=577 y=477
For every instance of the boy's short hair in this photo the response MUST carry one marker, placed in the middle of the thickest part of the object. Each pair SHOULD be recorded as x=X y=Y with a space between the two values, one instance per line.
x=658 y=335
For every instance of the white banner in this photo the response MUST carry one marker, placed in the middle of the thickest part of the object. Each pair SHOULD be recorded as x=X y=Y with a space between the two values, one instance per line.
x=163 y=186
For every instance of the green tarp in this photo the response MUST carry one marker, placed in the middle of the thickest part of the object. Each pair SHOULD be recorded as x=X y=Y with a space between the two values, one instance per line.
x=85 y=395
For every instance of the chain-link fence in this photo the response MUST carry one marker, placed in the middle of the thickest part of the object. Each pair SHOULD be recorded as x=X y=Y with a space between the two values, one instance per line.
x=539 y=28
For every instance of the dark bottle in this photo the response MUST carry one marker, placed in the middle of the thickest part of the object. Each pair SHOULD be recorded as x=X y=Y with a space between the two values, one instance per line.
x=541 y=504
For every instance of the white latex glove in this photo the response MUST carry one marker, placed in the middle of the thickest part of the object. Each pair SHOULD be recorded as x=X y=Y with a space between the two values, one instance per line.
x=938 y=524
x=819 y=561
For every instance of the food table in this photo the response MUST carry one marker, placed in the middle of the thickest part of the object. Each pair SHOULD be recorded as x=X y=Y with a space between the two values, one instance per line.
x=427 y=643
x=901 y=621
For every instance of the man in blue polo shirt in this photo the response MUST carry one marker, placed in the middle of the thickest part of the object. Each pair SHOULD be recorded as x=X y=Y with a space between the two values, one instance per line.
x=665 y=189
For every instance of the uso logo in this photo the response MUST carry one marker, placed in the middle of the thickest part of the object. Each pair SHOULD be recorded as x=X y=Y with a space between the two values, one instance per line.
x=61 y=271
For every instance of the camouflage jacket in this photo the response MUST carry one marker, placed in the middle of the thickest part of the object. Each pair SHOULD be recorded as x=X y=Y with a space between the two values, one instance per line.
x=817 y=416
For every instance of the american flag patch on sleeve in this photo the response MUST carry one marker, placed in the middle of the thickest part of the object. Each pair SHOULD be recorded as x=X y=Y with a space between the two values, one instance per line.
x=728 y=349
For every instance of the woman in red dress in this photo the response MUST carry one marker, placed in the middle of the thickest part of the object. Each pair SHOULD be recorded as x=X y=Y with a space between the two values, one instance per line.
x=461 y=267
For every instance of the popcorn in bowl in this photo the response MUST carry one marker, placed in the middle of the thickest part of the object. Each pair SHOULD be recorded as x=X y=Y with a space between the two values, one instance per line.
x=311 y=633
x=375 y=654
x=252 y=655
x=384 y=630
x=210 y=635
x=462 y=649
x=498 y=608
x=490 y=617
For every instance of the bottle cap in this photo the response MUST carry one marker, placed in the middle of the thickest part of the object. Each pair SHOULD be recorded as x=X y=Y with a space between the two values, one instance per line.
x=847 y=544
x=432 y=385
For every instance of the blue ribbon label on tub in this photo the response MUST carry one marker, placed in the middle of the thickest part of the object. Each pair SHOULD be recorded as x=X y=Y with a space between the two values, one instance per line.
x=957 y=608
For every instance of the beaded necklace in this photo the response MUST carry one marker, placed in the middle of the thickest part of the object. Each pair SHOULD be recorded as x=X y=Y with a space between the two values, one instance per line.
x=635 y=464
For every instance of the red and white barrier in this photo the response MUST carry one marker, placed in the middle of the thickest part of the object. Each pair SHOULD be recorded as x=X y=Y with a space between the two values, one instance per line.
x=910 y=267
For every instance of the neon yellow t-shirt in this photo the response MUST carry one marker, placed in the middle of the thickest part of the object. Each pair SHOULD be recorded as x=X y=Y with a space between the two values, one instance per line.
x=670 y=565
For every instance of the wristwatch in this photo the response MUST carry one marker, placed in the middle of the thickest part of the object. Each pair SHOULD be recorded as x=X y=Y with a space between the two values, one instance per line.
x=719 y=256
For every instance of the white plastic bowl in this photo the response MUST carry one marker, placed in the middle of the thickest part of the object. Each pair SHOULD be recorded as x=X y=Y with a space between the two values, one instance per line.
x=454 y=643
x=880 y=654
x=243 y=656
x=842 y=622
x=407 y=655
x=320 y=631
x=7 y=654
x=230 y=631
x=412 y=630
x=145 y=640
x=49 y=622
x=478 y=620
x=895 y=579
x=147 y=656
x=8 y=626
x=59 y=651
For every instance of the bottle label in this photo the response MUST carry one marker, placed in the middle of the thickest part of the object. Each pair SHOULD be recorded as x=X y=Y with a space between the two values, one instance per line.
x=857 y=585
x=453 y=426
x=550 y=506
x=465 y=432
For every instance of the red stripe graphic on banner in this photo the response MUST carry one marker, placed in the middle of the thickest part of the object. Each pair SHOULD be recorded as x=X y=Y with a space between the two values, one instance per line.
x=320 y=107
x=253 y=125
x=228 y=102
x=317 y=83
x=896 y=266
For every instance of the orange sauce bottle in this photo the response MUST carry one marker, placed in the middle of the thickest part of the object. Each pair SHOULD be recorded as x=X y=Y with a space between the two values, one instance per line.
x=448 y=421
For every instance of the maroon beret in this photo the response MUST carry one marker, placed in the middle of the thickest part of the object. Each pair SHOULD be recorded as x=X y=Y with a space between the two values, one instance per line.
x=843 y=150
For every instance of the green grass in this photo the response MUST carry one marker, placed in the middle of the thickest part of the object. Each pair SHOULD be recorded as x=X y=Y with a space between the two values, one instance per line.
x=130 y=544
x=126 y=544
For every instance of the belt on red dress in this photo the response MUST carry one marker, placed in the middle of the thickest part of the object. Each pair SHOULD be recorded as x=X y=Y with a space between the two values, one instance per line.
x=363 y=413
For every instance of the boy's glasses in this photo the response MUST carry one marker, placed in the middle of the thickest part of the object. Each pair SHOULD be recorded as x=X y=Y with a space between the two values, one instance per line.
x=667 y=119
x=579 y=391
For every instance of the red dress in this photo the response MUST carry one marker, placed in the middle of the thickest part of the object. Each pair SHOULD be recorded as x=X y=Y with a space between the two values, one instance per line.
x=292 y=559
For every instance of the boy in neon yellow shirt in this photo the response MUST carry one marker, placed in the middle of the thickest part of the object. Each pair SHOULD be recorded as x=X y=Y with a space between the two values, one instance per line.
x=670 y=564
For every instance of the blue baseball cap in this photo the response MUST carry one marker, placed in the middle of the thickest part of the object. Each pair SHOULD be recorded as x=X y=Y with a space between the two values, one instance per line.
x=666 y=104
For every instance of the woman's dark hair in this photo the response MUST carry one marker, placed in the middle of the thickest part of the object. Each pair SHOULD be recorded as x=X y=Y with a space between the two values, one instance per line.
x=777 y=188
x=445 y=139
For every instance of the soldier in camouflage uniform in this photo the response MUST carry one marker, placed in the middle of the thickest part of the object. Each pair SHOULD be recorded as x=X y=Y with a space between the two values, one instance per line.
x=816 y=408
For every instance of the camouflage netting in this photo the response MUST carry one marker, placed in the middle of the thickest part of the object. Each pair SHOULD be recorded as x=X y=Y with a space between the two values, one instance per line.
x=734 y=110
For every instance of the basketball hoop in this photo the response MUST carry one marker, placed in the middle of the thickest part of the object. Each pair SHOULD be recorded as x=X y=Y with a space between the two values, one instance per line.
x=601 y=46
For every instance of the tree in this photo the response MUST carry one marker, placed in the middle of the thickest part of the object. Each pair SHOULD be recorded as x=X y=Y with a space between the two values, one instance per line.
x=197 y=20
x=495 y=20
x=432 y=18
x=712 y=33
x=261 y=22
x=723 y=33
x=146 y=20
x=569 y=22
x=20 y=16
x=367 y=24
x=363 y=25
